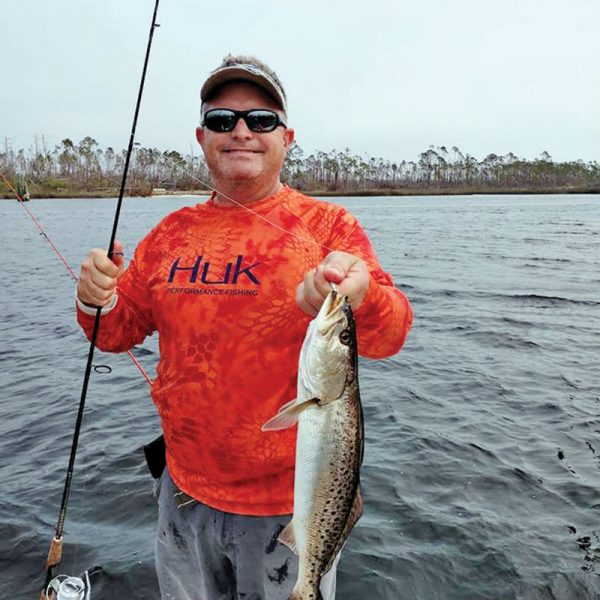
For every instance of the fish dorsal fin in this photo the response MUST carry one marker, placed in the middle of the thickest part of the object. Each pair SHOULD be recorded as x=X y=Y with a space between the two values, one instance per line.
x=287 y=537
x=353 y=516
x=288 y=414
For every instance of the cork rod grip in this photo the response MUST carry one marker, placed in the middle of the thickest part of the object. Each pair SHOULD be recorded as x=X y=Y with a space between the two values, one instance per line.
x=55 y=552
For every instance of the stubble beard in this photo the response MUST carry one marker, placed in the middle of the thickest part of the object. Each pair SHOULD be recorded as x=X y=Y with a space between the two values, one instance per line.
x=240 y=181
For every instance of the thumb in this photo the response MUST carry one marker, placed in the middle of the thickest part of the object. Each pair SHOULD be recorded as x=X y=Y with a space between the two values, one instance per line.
x=337 y=265
x=334 y=272
x=117 y=254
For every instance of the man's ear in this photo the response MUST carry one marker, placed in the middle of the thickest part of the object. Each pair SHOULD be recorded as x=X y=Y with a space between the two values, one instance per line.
x=200 y=134
x=288 y=137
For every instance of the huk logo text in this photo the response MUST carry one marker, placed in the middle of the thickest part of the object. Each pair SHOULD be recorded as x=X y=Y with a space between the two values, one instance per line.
x=211 y=275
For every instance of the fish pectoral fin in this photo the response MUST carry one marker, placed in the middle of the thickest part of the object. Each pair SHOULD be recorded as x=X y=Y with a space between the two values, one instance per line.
x=288 y=414
x=287 y=538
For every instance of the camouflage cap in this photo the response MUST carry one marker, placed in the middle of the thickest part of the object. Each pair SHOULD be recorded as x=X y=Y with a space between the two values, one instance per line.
x=245 y=68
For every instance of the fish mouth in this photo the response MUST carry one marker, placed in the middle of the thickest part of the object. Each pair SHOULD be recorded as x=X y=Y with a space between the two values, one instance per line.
x=332 y=312
x=335 y=301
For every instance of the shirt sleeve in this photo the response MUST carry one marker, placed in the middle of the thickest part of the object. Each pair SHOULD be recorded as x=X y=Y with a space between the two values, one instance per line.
x=130 y=321
x=385 y=316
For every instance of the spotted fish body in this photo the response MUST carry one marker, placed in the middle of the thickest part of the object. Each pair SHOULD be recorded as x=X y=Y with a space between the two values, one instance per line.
x=327 y=501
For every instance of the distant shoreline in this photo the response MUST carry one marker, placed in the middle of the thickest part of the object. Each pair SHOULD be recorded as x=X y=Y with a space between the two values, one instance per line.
x=458 y=191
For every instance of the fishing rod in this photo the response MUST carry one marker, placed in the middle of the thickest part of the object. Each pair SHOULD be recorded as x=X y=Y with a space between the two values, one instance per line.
x=75 y=588
x=64 y=261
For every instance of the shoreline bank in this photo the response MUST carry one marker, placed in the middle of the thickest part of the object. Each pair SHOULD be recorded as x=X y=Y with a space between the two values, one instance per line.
x=462 y=191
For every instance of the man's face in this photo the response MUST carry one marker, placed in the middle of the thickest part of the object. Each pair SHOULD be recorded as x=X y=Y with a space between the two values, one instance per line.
x=240 y=155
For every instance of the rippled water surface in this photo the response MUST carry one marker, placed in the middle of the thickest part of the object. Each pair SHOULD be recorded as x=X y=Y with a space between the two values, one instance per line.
x=481 y=476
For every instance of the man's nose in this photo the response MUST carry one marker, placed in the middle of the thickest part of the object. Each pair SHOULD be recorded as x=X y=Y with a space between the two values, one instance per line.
x=241 y=130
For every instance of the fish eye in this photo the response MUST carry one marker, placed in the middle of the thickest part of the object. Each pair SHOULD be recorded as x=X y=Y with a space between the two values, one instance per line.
x=345 y=337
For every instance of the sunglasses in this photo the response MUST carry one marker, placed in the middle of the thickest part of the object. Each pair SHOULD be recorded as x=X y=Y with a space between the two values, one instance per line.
x=258 y=120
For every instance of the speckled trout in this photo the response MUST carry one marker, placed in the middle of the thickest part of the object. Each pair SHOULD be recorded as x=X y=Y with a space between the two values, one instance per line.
x=329 y=450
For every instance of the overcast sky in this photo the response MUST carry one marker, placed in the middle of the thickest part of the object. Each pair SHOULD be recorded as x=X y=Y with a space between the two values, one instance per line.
x=382 y=77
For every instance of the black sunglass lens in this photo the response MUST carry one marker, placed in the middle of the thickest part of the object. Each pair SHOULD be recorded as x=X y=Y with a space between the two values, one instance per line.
x=262 y=121
x=220 y=120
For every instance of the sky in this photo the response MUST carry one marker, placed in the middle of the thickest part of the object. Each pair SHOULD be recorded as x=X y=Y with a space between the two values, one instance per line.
x=385 y=78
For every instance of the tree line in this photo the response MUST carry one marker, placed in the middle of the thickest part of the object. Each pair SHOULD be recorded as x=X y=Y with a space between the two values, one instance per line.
x=85 y=166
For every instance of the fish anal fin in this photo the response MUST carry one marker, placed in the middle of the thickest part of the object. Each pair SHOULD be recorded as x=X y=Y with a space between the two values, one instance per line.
x=287 y=538
x=288 y=414
x=355 y=512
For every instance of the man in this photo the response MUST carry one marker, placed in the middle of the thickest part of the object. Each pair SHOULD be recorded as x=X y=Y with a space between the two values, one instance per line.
x=231 y=285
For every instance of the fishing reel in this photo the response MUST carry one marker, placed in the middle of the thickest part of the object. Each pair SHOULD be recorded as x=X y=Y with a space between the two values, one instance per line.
x=64 y=587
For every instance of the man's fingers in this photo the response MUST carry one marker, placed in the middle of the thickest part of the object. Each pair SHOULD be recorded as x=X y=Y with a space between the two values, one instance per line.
x=102 y=263
x=308 y=296
x=355 y=280
x=311 y=293
x=99 y=275
x=303 y=303
x=350 y=273
x=103 y=281
x=337 y=265
x=90 y=293
x=321 y=283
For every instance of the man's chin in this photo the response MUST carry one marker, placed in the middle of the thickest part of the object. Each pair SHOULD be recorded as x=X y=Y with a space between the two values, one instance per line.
x=241 y=174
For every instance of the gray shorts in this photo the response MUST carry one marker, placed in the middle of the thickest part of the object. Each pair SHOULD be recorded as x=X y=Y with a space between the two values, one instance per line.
x=206 y=554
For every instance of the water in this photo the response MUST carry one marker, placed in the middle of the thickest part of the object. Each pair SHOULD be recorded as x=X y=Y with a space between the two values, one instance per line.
x=481 y=470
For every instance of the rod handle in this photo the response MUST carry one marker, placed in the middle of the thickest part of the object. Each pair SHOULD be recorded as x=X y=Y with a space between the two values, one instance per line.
x=55 y=552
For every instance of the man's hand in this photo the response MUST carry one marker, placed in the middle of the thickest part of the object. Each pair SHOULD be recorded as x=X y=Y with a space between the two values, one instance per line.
x=99 y=275
x=348 y=272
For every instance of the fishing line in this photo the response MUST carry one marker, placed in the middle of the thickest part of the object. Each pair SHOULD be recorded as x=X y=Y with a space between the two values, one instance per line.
x=65 y=262
x=39 y=226
x=55 y=552
x=242 y=205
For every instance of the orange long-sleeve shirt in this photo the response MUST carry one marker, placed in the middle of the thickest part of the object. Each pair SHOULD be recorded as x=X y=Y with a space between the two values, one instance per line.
x=218 y=284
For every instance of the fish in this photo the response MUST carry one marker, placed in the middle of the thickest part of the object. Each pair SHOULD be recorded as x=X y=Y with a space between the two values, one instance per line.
x=329 y=447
